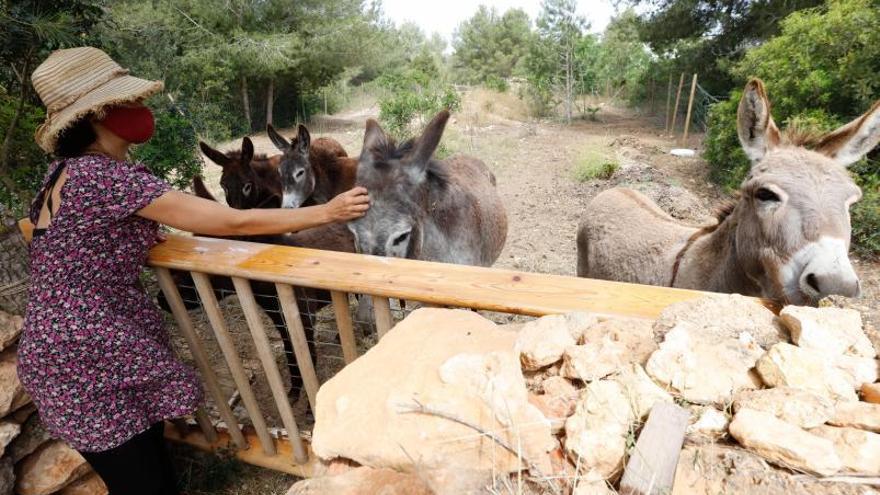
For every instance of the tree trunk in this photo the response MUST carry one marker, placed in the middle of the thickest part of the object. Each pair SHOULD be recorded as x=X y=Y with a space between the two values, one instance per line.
x=568 y=84
x=14 y=270
x=13 y=124
x=246 y=103
x=270 y=100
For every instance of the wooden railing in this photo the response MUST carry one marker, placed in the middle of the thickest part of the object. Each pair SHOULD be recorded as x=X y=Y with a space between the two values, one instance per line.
x=342 y=274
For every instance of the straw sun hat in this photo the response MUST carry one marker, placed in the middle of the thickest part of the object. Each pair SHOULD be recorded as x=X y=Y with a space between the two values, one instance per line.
x=75 y=82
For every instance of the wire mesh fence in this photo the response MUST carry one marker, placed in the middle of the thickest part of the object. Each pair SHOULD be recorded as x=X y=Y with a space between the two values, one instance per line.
x=322 y=335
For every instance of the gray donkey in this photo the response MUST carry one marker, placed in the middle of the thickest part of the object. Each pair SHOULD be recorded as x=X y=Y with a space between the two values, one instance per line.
x=421 y=208
x=786 y=238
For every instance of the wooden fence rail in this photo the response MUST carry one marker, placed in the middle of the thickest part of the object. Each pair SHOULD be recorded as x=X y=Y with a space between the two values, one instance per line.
x=433 y=284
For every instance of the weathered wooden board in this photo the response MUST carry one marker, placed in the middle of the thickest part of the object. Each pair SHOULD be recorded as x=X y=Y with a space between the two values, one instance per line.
x=651 y=466
x=435 y=283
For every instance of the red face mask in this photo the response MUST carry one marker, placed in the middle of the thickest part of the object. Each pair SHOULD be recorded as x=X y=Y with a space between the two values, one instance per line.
x=133 y=124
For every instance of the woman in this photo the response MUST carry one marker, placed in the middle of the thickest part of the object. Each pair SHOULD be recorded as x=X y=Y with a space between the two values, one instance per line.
x=94 y=355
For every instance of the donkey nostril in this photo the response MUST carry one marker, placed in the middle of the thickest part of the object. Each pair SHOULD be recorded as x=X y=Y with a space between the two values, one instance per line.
x=813 y=282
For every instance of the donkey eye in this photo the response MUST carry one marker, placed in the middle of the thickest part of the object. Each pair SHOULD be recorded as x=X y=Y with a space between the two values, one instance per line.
x=246 y=189
x=400 y=239
x=298 y=175
x=764 y=194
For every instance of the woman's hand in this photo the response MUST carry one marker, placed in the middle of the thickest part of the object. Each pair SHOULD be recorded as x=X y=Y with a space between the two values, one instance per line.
x=350 y=205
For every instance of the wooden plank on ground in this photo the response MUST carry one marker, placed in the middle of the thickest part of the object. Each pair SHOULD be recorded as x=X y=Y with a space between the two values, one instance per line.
x=651 y=466
x=442 y=284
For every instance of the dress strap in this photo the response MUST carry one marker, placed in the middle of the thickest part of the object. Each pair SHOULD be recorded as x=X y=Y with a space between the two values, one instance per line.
x=50 y=189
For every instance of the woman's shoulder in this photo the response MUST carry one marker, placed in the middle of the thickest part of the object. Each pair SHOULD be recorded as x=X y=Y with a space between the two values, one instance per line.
x=100 y=165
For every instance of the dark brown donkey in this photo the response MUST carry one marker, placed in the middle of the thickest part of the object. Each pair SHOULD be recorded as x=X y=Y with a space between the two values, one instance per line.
x=312 y=171
x=249 y=182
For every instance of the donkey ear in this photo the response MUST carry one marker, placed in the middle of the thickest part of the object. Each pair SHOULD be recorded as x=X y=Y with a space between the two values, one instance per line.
x=850 y=143
x=303 y=138
x=247 y=151
x=374 y=138
x=758 y=133
x=429 y=140
x=214 y=155
x=200 y=189
x=277 y=139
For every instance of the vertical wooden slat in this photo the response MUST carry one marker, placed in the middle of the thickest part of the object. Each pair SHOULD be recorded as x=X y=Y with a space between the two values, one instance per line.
x=205 y=423
x=344 y=325
x=270 y=367
x=236 y=368
x=199 y=355
x=382 y=313
x=668 y=102
x=298 y=339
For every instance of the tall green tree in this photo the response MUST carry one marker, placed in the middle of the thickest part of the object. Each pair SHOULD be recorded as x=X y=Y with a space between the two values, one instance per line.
x=552 y=56
x=709 y=36
x=488 y=46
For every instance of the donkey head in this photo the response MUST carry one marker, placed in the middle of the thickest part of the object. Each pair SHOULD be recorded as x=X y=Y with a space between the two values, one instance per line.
x=793 y=223
x=246 y=181
x=400 y=180
x=297 y=175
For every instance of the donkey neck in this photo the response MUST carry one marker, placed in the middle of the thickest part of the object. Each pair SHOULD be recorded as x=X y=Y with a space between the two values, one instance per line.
x=713 y=262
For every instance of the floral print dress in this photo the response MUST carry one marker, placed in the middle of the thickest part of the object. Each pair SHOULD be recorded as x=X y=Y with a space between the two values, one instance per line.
x=94 y=354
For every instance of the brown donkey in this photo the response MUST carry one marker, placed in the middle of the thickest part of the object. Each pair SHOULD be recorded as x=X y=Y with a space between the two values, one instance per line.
x=312 y=172
x=249 y=180
x=786 y=238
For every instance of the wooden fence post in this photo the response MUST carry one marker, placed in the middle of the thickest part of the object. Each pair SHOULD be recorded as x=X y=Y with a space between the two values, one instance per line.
x=687 y=122
x=382 y=313
x=668 y=102
x=677 y=100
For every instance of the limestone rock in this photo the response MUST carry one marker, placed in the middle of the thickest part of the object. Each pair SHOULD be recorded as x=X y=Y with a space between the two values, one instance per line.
x=593 y=488
x=723 y=316
x=12 y=394
x=49 y=469
x=593 y=360
x=33 y=435
x=714 y=469
x=363 y=481
x=8 y=432
x=90 y=484
x=871 y=392
x=861 y=415
x=793 y=405
x=858 y=449
x=711 y=424
x=783 y=443
x=857 y=370
x=10 y=328
x=704 y=370
x=637 y=336
x=557 y=386
x=785 y=365
x=640 y=390
x=541 y=342
x=595 y=436
x=828 y=330
x=453 y=362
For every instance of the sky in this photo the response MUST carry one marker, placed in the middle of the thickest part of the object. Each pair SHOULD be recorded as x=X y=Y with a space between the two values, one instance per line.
x=443 y=16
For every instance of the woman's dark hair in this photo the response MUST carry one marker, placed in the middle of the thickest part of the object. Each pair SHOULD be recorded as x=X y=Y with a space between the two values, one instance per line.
x=75 y=139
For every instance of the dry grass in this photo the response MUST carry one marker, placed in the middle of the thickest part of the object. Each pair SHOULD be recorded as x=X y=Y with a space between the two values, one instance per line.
x=482 y=106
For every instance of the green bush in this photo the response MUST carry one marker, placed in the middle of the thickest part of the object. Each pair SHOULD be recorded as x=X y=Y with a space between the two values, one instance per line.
x=820 y=72
x=410 y=94
x=594 y=165
x=27 y=162
x=171 y=153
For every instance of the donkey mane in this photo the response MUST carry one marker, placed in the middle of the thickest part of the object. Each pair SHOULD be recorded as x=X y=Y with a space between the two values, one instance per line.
x=387 y=151
x=798 y=134
x=236 y=155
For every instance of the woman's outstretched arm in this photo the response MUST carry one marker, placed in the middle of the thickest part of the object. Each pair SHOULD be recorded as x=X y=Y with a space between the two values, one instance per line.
x=193 y=214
